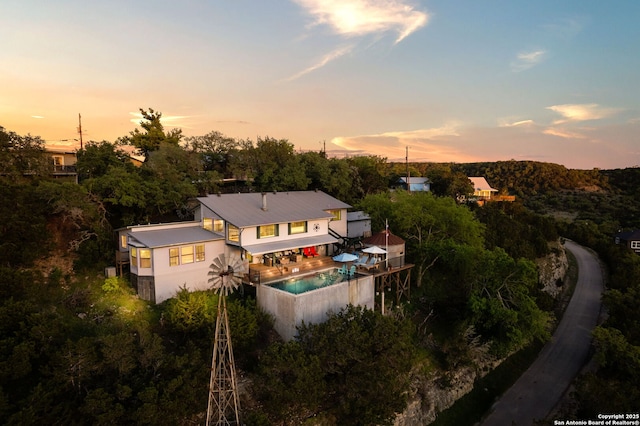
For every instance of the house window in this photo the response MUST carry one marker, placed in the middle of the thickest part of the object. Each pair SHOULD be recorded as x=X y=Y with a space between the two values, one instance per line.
x=174 y=257
x=298 y=227
x=199 y=252
x=335 y=213
x=214 y=225
x=267 y=231
x=233 y=233
x=145 y=258
x=635 y=244
x=123 y=241
x=186 y=254
x=134 y=257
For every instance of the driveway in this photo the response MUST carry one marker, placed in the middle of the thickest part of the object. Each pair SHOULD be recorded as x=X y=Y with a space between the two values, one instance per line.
x=540 y=388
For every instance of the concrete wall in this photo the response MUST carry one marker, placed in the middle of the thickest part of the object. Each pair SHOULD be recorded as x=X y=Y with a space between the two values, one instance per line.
x=289 y=310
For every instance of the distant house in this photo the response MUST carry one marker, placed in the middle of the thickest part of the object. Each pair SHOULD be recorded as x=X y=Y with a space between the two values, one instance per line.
x=481 y=188
x=630 y=239
x=415 y=184
x=63 y=163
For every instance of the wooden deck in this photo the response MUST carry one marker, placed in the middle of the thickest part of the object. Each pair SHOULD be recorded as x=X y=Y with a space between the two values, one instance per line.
x=260 y=273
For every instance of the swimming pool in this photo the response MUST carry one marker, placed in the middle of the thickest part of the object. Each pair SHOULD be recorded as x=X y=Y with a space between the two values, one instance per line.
x=302 y=284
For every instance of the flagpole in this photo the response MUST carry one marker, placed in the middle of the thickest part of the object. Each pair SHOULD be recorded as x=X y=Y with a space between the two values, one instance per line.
x=386 y=242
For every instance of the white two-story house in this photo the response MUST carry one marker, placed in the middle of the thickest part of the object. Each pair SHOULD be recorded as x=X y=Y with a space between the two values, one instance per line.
x=275 y=228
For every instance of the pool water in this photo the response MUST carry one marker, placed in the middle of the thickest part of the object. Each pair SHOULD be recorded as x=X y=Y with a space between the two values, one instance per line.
x=306 y=283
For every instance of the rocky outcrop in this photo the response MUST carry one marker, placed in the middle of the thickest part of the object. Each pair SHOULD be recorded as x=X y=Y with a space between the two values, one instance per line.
x=435 y=392
x=552 y=269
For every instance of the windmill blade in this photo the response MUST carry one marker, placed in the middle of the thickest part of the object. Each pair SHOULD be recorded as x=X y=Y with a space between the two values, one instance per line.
x=226 y=273
x=219 y=263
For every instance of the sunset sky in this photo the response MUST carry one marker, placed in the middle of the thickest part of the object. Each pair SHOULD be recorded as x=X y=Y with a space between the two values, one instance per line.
x=463 y=81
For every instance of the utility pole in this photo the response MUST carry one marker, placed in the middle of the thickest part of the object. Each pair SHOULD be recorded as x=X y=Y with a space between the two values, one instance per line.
x=406 y=160
x=80 y=129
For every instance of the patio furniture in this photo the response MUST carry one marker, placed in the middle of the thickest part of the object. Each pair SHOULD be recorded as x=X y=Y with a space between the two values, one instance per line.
x=352 y=271
x=372 y=263
x=343 y=270
x=361 y=261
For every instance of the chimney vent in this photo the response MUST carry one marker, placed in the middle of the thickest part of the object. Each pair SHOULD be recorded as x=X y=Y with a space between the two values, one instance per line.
x=264 y=201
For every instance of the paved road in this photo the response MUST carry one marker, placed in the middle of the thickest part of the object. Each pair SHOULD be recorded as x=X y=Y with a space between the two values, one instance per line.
x=538 y=390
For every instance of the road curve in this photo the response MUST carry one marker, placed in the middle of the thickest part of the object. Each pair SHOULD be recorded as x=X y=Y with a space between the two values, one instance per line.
x=539 y=389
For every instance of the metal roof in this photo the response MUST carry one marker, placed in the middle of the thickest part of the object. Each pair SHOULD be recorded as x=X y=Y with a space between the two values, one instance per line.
x=173 y=236
x=243 y=210
x=481 y=184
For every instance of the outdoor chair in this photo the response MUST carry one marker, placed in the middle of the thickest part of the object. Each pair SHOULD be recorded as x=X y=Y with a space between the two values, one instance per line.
x=361 y=261
x=343 y=270
x=352 y=271
x=372 y=263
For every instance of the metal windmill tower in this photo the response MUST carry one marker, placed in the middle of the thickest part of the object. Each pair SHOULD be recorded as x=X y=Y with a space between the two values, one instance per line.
x=224 y=405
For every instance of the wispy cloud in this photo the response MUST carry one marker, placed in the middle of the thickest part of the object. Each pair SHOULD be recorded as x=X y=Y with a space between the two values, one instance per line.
x=563 y=133
x=581 y=112
x=362 y=17
x=322 y=62
x=424 y=144
x=358 y=18
x=166 y=120
x=37 y=116
x=510 y=123
x=527 y=59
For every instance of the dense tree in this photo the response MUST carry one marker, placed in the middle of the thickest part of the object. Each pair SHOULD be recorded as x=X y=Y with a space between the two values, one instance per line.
x=95 y=159
x=152 y=134
x=365 y=359
x=22 y=156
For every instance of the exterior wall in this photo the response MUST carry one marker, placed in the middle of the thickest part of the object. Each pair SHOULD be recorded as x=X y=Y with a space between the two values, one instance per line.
x=340 y=226
x=168 y=279
x=249 y=236
x=358 y=225
x=396 y=254
x=289 y=310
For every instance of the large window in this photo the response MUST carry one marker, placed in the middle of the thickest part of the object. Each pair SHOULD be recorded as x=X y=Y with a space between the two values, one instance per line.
x=174 y=256
x=123 y=241
x=215 y=225
x=233 y=233
x=335 y=213
x=134 y=257
x=186 y=254
x=145 y=258
x=635 y=244
x=298 y=227
x=267 y=231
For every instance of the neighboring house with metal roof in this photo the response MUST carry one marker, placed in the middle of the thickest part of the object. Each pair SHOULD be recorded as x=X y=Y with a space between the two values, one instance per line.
x=481 y=188
x=263 y=229
x=630 y=239
x=415 y=183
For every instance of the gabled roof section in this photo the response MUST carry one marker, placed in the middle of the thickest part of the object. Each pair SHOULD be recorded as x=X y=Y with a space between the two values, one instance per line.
x=254 y=209
x=481 y=184
x=174 y=236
